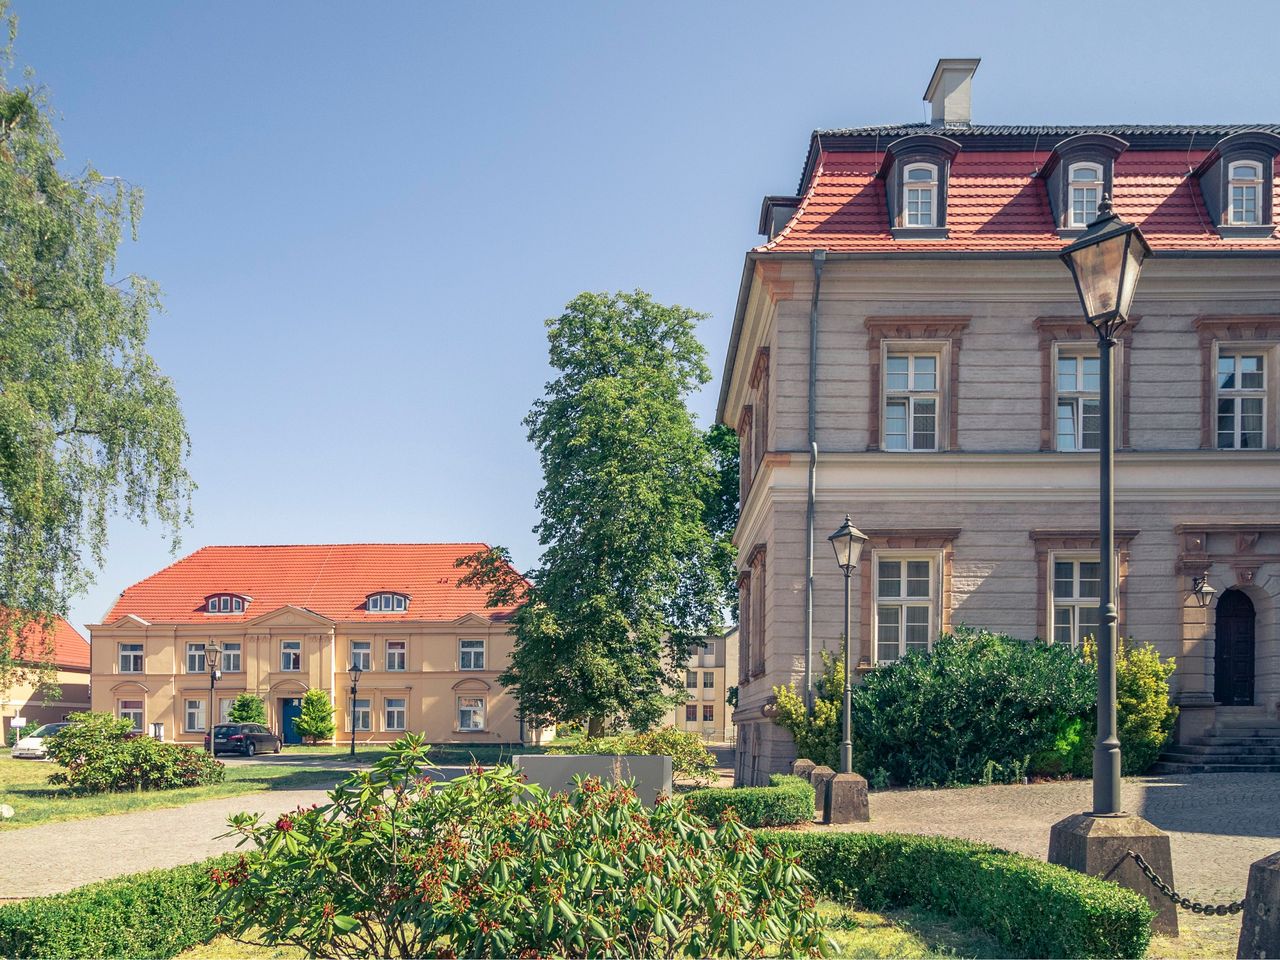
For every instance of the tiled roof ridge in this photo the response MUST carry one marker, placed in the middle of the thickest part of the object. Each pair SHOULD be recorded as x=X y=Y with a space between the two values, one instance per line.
x=987 y=129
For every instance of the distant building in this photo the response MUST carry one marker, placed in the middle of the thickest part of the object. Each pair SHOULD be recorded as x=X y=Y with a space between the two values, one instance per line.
x=289 y=619
x=712 y=666
x=68 y=651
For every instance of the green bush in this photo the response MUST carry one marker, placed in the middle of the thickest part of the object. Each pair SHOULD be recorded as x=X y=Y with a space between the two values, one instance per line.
x=488 y=865
x=787 y=800
x=246 y=708
x=816 y=735
x=97 y=756
x=315 y=721
x=690 y=759
x=155 y=914
x=1035 y=909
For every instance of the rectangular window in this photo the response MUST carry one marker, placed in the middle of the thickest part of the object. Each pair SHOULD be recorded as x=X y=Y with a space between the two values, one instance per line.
x=1076 y=591
x=708 y=713
x=395 y=711
x=231 y=657
x=195 y=658
x=362 y=716
x=708 y=679
x=691 y=679
x=911 y=402
x=1079 y=415
x=904 y=607
x=470 y=713
x=470 y=654
x=130 y=658
x=395 y=654
x=690 y=713
x=1242 y=400
x=291 y=655
x=361 y=654
x=131 y=710
x=224 y=708
x=195 y=717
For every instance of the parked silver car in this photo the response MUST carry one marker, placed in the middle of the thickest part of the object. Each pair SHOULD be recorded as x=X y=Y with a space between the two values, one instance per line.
x=32 y=746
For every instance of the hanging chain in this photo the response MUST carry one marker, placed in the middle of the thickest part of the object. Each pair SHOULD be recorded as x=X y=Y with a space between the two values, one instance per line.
x=1195 y=906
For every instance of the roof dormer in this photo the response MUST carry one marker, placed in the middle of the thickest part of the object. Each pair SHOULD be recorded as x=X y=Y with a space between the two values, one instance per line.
x=1236 y=183
x=1078 y=173
x=226 y=603
x=387 y=601
x=916 y=171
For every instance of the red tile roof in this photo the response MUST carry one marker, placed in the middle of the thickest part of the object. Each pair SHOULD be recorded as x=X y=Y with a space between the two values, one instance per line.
x=331 y=580
x=68 y=649
x=994 y=203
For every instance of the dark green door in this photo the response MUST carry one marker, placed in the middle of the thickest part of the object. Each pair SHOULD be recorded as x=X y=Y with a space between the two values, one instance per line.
x=290 y=710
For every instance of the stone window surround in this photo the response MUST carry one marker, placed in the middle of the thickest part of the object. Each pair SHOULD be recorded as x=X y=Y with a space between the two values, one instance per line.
x=1236 y=333
x=759 y=382
x=914 y=334
x=756 y=642
x=938 y=542
x=744 y=627
x=745 y=455
x=1074 y=331
x=1049 y=542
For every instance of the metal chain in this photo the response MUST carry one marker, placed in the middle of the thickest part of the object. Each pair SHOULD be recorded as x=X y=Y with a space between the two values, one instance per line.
x=1195 y=906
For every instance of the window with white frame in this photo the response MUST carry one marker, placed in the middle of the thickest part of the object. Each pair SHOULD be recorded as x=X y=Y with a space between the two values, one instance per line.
x=708 y=679
x=1246 y=193
x=905 y=594
x=1242 y=401
x=1079 y=416
x=691 y=679
x=386 y=603
x=470 y=713
x=1086 y=192
x=920 y=195
x=395 y=654
x=690 y=713
x=195 y=717
x=1076 y=590
x=708 y=713
x=195 y=658
x=290 y=655
x=130 y=710
x=470 y=654
x=362 y=654
x=362 y=716
x=224 y=708
x=226 y=603
x=130 y=658
x=231 y=657
x=395 y=713
x=911 y=401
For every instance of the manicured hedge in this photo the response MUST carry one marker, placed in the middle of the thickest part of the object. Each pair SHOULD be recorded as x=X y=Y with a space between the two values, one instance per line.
x=785 y=801
x=155 y=914
x=1034 y=908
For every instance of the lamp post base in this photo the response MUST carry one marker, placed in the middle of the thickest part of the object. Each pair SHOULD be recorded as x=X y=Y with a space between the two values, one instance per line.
x=1099 y=846
x=847 y=799
x=821 y=777
x=1260 y=927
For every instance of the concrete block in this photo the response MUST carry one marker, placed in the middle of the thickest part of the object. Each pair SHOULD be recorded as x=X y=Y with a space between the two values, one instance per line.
x=1099 y=847
x=1260 y=925
x=652 y=775
x=847 y=800
x=802 y=768
x=821 y=778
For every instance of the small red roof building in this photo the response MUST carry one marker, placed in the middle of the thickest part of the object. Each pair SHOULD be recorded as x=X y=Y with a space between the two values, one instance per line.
x=59 y=643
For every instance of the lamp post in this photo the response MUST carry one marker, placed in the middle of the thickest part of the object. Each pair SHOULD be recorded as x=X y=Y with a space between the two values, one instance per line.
x=847 y=543
x=355 y=672
x=212 y=660
x=1203 y=590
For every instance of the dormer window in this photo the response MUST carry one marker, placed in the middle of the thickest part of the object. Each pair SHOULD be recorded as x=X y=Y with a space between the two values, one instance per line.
x=1077 y=173
x=1235 y=181
x=915 y=170
x=226 y=603
x=1246 y=193
x=920 y=194
x=386 y=603
x=1086 y=191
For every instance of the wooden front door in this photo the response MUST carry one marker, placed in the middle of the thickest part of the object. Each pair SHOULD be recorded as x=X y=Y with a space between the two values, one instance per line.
x=1233 y=651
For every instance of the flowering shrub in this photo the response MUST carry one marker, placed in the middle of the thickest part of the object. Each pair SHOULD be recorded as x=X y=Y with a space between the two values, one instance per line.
x=690 y=759
x=490 y=866
x=98 y=756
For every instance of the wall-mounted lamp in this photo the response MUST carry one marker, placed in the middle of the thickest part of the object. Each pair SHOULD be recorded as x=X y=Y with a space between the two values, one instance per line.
x=1203 y=590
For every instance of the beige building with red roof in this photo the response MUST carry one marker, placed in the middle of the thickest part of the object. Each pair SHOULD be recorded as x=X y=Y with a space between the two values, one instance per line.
x=288 y=619
x=52 y=676
x=908 y=349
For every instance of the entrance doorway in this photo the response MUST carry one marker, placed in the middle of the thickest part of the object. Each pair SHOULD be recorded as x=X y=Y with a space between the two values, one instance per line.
x=290 y=710
x=1233 y=650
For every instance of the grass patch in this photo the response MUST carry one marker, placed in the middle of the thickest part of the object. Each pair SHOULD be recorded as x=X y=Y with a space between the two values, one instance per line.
x=24 y=786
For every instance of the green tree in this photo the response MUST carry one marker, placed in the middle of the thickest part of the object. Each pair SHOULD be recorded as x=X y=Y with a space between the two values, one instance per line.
x=315 y=722
x=627 y=579
x=720 y=510
x=89 y=427
x=246 y=708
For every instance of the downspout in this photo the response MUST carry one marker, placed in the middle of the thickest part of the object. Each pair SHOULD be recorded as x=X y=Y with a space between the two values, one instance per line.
x=819 y=258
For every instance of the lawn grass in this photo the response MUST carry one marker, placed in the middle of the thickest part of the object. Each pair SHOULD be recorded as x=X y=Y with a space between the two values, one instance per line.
x=24 y=785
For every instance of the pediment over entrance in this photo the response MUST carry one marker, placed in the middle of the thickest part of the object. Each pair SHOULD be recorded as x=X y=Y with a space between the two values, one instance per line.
x=291 y=616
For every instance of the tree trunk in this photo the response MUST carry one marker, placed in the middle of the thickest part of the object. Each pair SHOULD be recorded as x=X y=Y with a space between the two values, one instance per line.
x=595 y=727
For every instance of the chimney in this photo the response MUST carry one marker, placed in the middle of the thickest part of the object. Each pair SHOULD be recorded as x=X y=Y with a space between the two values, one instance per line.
x=950 y=92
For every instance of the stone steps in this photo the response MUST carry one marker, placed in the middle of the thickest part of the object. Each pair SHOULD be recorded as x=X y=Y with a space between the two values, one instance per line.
x=1241 y=744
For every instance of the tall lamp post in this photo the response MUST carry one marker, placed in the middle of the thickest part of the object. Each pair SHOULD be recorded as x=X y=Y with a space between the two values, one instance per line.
x=847 y=543
x=213 y=660
x=355 y=672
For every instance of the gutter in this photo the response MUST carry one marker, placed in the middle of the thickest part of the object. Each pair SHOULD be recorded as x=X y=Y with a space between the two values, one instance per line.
x=819 y=259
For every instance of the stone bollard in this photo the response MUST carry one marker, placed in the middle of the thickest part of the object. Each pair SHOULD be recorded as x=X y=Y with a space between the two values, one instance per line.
x=847 y=800
x=802 y=768
x=821 y=778
x=1260 y=925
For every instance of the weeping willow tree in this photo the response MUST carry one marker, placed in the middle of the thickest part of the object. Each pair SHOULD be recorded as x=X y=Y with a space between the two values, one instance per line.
x=89 y=426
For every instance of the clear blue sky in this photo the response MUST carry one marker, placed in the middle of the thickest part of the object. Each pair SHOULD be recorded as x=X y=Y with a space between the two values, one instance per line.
x=361 y=214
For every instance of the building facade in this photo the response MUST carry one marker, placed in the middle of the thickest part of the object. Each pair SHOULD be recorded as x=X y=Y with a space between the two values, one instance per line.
x=39 y=695
x=288 y=619
x=908 y=349
x=712 y=669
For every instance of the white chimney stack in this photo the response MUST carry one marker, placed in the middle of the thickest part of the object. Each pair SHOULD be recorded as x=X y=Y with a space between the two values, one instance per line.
x=950 y=92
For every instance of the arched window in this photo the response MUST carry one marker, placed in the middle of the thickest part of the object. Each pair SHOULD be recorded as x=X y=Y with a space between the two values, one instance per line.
x=226 y=603
x=920 y=194
x=386 y=603
x=1086 y=191
x=1246 y=193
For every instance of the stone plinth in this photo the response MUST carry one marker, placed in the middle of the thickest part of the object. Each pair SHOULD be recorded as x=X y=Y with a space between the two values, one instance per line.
x=1099 y=846
x=821 y=777
x=802 y=768
x=847 y=800
x=1260 y=925
x=652 y=775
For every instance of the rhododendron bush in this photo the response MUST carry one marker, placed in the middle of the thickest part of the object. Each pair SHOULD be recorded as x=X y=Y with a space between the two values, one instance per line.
x=490 y=866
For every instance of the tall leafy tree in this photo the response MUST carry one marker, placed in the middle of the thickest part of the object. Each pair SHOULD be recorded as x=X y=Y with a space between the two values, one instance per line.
x=627 y=579
x=89 y=427
x=720 y=509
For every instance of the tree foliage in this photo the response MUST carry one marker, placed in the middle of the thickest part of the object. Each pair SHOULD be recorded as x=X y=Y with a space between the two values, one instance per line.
x=315 y=721
x=246 y=708
x=720 y=509
x=89 y=427
x=628 y=576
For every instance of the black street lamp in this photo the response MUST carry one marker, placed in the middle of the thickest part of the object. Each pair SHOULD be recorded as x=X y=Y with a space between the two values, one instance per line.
x=1203 y=590
x=847 y=543
x=355 y=672
x=212 y=658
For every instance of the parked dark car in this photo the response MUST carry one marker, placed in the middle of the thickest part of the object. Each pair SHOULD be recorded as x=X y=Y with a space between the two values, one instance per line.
x=245 y=738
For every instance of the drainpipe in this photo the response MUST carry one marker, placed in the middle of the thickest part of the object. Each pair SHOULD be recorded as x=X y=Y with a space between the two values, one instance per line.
x=819 y=258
